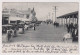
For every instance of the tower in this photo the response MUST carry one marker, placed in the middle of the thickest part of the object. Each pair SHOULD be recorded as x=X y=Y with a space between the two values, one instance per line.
x=33 y=15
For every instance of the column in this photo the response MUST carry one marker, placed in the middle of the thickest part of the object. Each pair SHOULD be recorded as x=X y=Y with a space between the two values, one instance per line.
x=60 y=21
x=73 y=17
x=69 y=19
x=64 y=20
x=77 y=18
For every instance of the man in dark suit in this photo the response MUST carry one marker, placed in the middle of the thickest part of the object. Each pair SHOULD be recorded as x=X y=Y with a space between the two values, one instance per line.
x=71 y=27
x=75 y=35
x=68 y=27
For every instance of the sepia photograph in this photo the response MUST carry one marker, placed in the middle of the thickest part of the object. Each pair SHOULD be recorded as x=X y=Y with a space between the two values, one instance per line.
x=40 y=24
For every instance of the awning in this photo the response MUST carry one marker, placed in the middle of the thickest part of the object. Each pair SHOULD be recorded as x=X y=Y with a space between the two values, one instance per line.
x=25 y=19
x=14 y=18
x=70 y=15
x=18 y=18
x=5 y=15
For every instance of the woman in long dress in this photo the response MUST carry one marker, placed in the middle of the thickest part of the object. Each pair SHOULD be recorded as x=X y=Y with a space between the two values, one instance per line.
x=9 y=34
x=67 y=36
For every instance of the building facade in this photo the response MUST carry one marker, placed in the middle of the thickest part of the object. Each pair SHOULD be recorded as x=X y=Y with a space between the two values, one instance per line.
x=13 y=15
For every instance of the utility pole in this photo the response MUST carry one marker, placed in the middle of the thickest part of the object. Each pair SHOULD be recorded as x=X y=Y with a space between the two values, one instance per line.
x=55 y=13
x=49 y=15
x=55 y=8
x=52 y=17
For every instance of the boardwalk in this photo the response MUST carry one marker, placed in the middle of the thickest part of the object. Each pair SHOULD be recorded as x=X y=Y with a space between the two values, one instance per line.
x=43 y=33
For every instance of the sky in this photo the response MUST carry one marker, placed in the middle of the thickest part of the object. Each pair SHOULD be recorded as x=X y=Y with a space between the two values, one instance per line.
x=44 y=10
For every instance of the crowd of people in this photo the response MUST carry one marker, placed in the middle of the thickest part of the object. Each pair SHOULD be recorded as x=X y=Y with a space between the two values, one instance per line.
x=13 y=30
x=56 y=24
x=73 y=30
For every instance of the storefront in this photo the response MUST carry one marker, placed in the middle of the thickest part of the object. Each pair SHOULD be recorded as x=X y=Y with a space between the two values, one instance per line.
x=5 y=19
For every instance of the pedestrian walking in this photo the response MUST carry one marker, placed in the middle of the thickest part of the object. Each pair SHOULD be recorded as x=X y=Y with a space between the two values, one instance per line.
x=34 y=27
x=10 y=34
x=75 y=35
x=68 y=28
x=23 y=30
x=15 y=32
x=71 y=27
